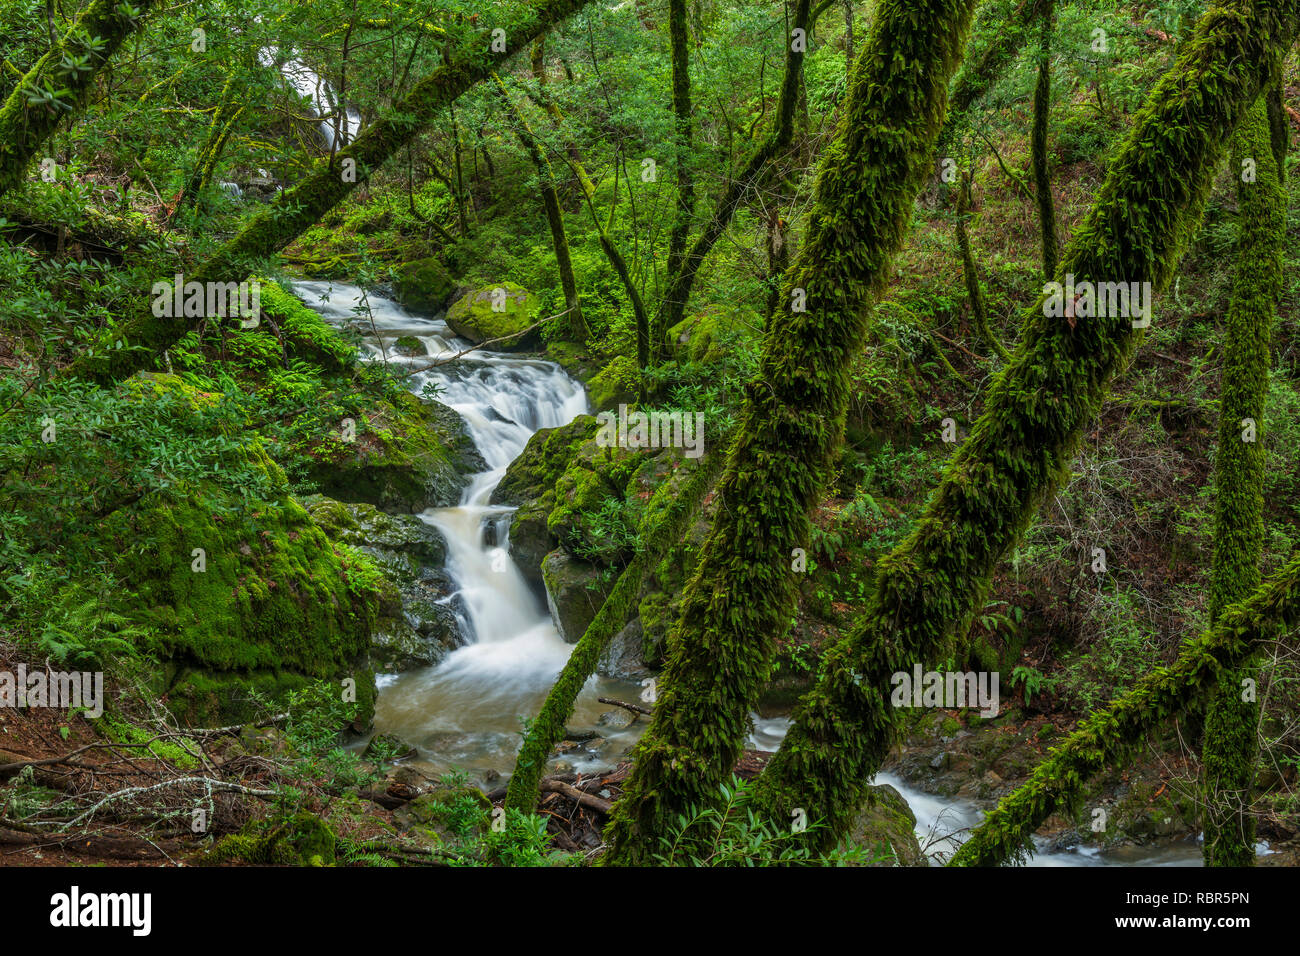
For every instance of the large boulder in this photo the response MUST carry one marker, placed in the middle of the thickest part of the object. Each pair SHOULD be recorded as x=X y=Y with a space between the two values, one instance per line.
x=575 y=590
x=704 y=337
x=244 y=595
x=424 y=285
x=407 y=455
x=417 y=623
x=502 y=311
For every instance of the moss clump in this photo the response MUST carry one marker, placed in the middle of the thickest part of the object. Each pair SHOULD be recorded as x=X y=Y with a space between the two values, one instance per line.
x=703 y=338
x=424 y=285
x=616 y=384
x=475 y=316
x=302 y=839
x=407 y=455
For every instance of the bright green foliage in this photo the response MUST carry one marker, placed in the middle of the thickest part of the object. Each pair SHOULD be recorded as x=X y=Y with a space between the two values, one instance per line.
x=60 y=81
x=1112 y=734
x=739 y=601
x=1232 y=725
x=928 y=589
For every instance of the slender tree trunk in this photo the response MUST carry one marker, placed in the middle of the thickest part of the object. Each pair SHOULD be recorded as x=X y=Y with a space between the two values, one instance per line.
x=554 y=215
x=294 y=210
x=219 y=129
x=24 y=127
x=667 y=515
x=680 y=42
x=673 y=305
x=741 y=596
x=1232 y=725
x=1111 y=735
x=929 y=588
x=848 y=36
x=1038 y=144
x=978 y=309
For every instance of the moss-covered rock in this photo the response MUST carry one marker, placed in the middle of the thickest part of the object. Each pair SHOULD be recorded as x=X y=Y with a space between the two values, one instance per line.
x=887 y=826
x=503 y=311
x=529 y=483
x=593 y=517
x=410 y=454
x=575 y=590
x=417 y=613
x=615 y=384
x=424 y=285
x=703 y=337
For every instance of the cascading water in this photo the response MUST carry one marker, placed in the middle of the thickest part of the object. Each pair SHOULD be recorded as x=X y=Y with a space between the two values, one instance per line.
x=465 y=711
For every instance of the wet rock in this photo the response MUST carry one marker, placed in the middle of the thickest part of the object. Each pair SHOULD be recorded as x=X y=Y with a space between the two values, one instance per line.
x=622 y=659
x=503 y=310
x=575 y=590
x=424 y=285
x=885 y=826
x=616 y=719
x=389 y=747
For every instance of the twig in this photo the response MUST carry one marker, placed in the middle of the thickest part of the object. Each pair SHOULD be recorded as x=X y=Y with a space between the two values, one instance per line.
x=474 y=348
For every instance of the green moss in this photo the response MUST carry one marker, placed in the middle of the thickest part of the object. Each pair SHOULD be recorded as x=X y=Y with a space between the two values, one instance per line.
x=475 y=316
x=704 y=337
x=306 y=334
x=303 y=839
x=424 y=285
x=618 y=383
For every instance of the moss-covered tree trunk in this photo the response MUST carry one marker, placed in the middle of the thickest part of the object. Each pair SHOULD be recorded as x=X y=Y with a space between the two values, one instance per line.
x=145 y=336
x=219 y=130
x=679 y=37
x=978 y=308
x=25 y=125
x=1232 y=724
x=741 y=596
x=554 y=215
x=673 y=306
x=1038 y=143
x=667 y=515
x=928 y=589
x=1109 y=736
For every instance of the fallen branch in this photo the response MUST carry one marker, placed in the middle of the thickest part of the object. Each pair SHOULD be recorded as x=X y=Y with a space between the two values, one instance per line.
x=481 y=345
x=635 y=708
x=576 y=795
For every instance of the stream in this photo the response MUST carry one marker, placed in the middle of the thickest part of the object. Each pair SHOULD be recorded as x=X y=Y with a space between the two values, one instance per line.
x=465 y=712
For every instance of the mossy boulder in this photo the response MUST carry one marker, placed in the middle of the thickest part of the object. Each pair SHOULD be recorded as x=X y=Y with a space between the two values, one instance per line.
x=593 y=517
x=704 y=337
x=886 y=826
x=407 y=455
x=502 y=311
x=575 y=590
x=616 y=384
x=417 y=614
x=529 y=484
x=245 y=595
x=425 y=285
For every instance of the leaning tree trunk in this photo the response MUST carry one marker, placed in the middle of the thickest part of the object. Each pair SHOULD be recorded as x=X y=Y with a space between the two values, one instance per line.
x=741 y=596
x=673 y=306
x=24 y=126
x=665 y=521
x=294 y=210
x=1038 y=144
x=978 y=307
x=554 y=215
x=1019 y=450
x=1111 y=735
x=1232 y=725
